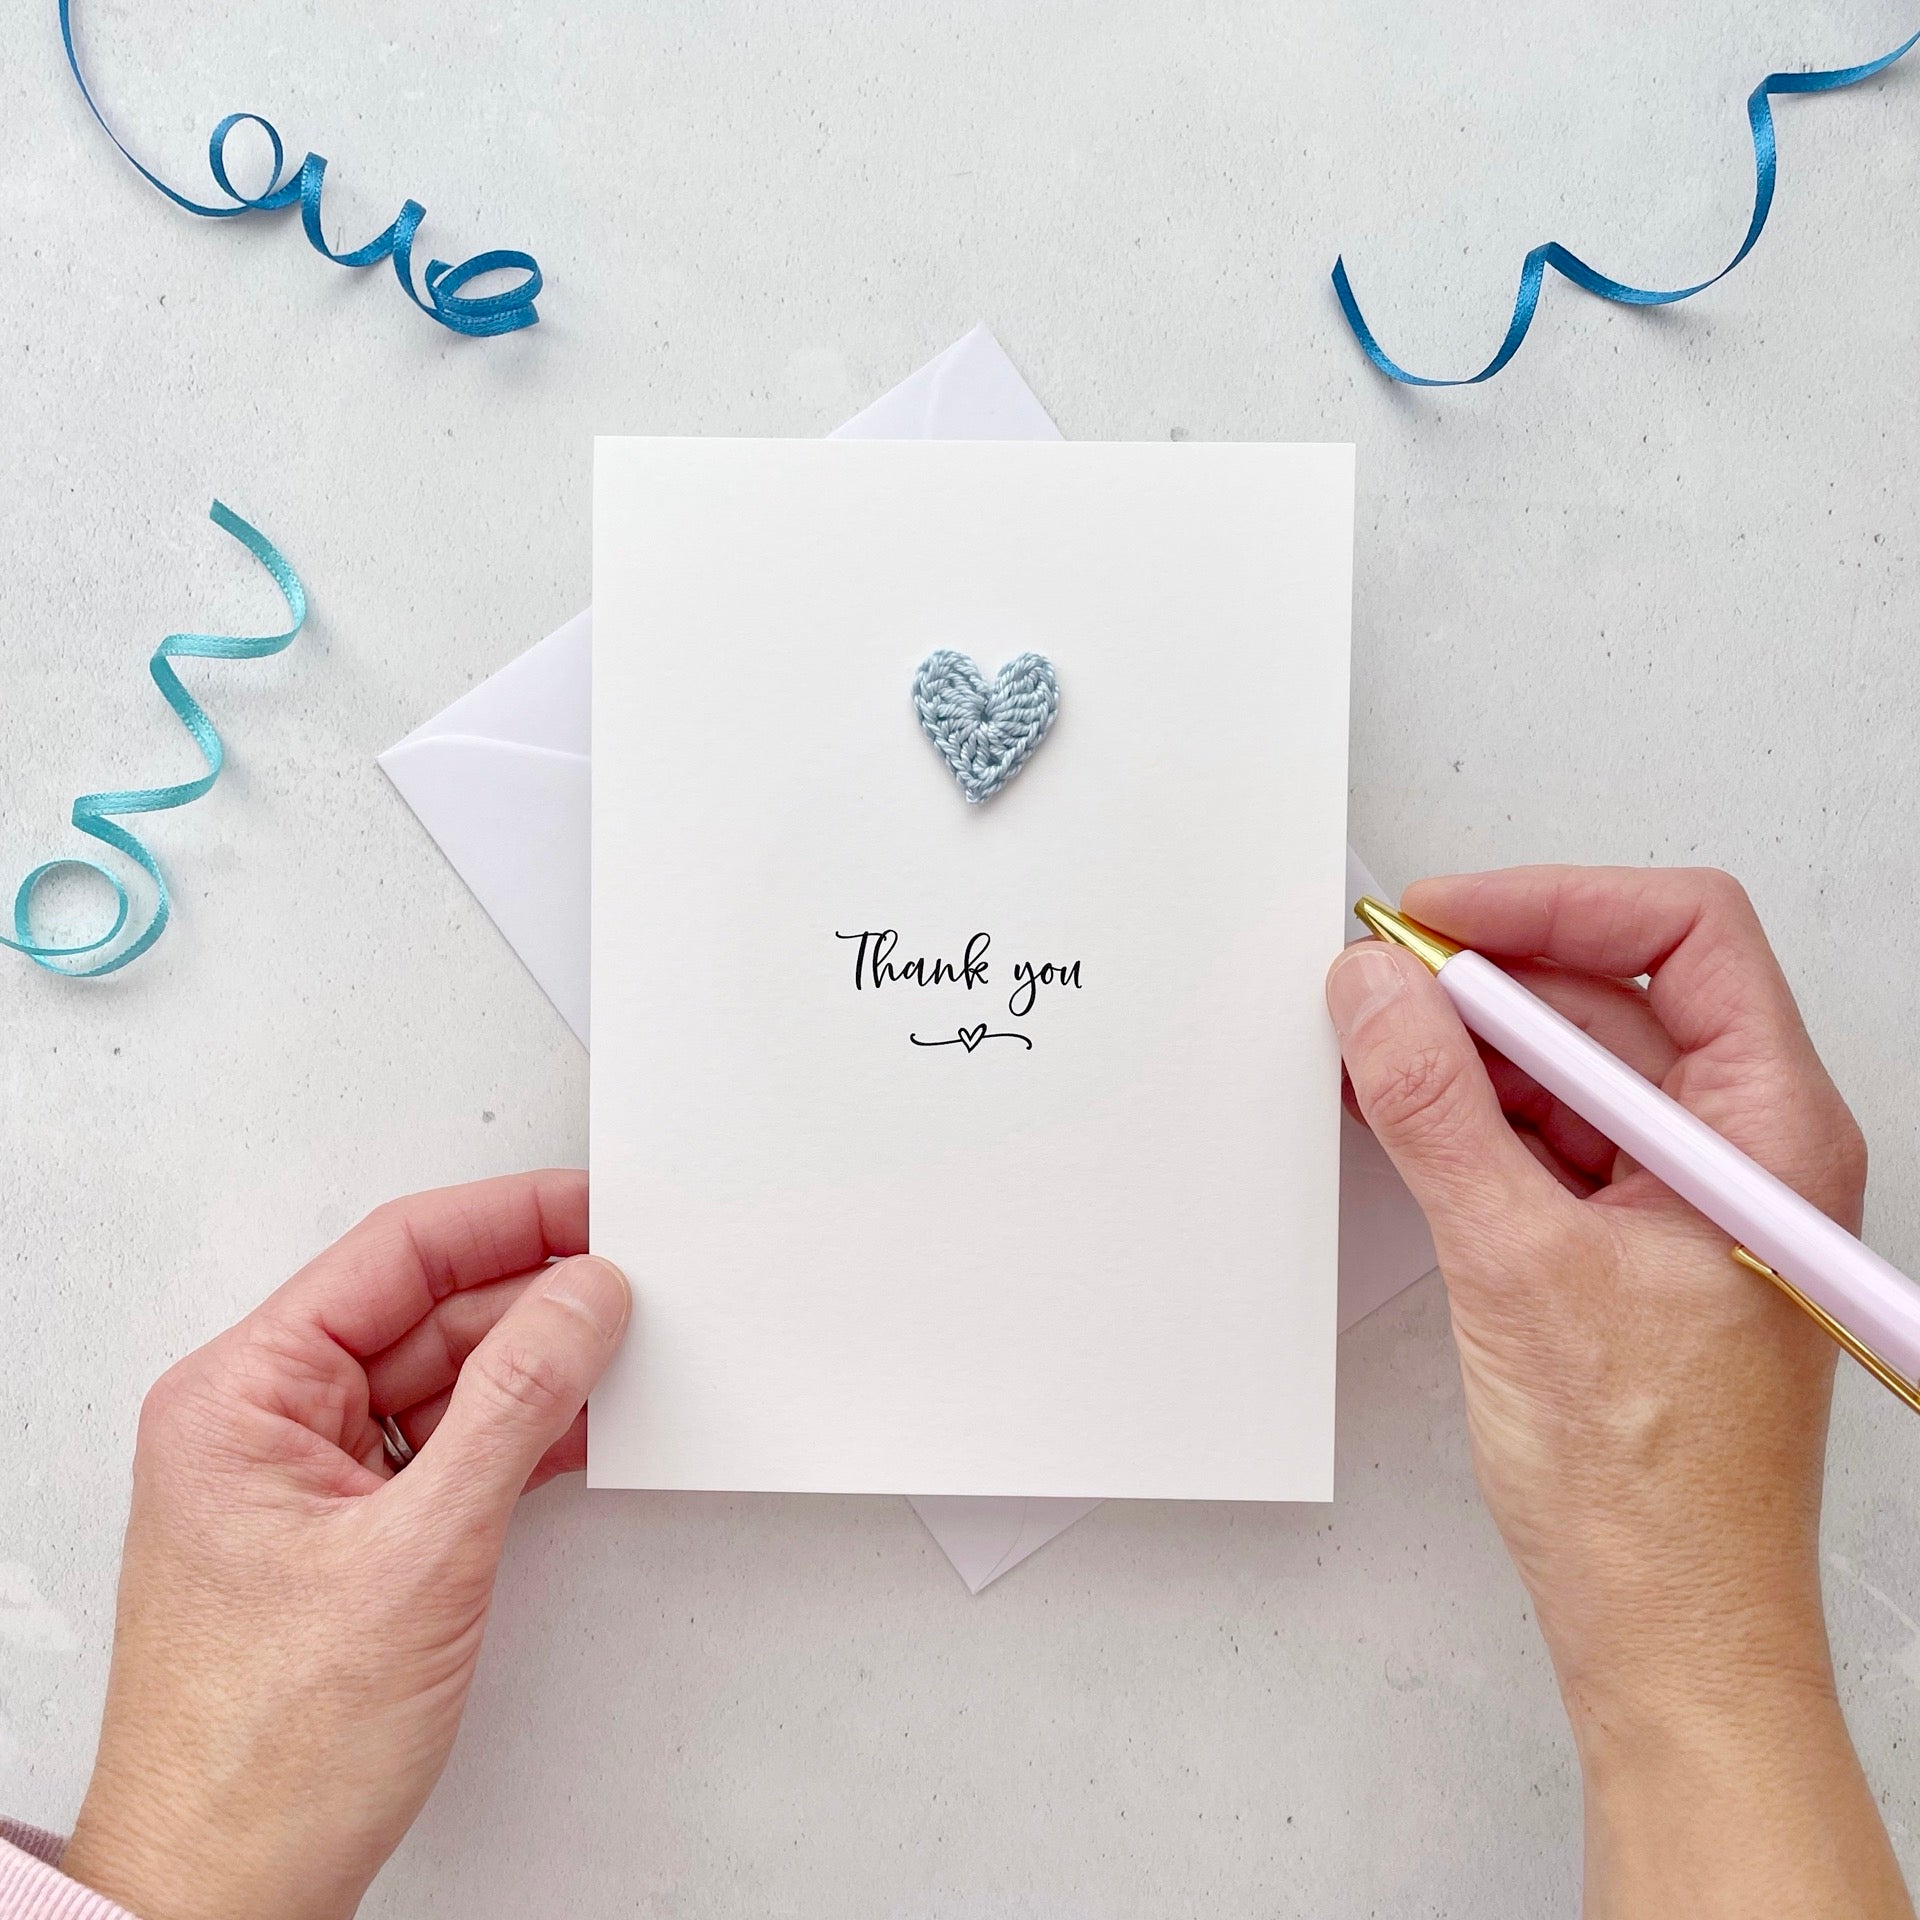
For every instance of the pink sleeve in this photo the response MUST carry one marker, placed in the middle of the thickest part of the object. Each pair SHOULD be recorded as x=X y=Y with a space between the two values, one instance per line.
x=32 y=1887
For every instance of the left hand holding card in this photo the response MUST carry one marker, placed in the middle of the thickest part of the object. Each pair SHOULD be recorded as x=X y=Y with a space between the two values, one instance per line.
x=298 y=1624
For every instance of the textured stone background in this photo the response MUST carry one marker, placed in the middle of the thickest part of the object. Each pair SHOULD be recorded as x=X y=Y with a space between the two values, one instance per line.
x=1651 y=595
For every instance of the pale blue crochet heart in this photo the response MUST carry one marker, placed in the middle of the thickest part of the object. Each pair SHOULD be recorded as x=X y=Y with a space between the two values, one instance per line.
x=986 y=730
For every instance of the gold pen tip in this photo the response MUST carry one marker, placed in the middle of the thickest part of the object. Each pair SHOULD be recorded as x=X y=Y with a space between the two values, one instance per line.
x=1384 y=923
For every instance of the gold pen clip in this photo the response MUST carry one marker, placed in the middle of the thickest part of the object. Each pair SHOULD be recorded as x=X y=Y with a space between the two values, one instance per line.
x=1896 y=1384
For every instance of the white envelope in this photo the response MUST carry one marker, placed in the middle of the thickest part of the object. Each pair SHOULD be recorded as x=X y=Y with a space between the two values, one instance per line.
x=501 y=781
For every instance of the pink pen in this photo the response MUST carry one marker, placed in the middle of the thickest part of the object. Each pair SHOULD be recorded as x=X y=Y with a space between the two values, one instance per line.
x=1872 y=1309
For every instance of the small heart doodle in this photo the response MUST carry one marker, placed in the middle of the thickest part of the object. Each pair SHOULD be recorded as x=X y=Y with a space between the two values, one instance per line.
x=970 y=1037
x=985 y=730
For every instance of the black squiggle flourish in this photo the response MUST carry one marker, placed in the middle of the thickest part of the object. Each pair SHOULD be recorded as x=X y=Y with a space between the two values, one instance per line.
x=970 y=1037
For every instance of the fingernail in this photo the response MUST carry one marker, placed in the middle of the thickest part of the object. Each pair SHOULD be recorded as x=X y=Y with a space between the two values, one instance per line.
x=595 y=1289
x=1363 y=980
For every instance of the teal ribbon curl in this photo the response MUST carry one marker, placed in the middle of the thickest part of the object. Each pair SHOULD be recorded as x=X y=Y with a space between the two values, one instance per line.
x=477 y=315
x=1571 y=267
x=94 y=813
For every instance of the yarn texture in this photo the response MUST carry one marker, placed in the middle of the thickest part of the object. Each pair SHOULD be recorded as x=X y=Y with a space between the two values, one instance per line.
x=986 y=730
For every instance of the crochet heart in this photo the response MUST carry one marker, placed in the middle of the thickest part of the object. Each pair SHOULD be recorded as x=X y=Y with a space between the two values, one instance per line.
x=985 y=729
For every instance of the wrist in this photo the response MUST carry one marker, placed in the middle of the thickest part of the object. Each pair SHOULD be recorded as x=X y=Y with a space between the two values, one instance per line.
x=1671 y=1617
x=1709 y=1725
x=1667 y=1685
x=160 y=1862
x=134 y=1871
x=182 y=1855
x=1731 y=1791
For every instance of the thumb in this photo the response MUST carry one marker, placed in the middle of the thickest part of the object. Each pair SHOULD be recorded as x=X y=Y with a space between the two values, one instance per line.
x=522 y=1387
x=1420 y=1085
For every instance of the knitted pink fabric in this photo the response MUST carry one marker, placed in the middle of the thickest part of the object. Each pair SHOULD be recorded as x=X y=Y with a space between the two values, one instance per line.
x=32 y=1887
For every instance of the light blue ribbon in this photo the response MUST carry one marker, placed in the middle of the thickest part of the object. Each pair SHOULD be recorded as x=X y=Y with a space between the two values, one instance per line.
x=1571 y=267
x=93 y=812
x=473 y=314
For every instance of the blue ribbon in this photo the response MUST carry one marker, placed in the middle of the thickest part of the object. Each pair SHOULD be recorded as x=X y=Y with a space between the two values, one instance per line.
x=473 y=314
x=1571 y=267
x=92 y=812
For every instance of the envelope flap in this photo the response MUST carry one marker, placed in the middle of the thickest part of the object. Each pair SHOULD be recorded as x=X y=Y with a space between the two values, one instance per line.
x=514 y=820
x=542 y=699
x=970 y=392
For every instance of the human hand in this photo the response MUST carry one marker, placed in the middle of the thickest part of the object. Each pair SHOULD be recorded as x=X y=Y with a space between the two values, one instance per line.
x=297 y=1626
x=1648 y=1419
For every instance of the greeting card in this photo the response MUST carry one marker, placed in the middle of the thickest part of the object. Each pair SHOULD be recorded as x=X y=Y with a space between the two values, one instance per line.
x=968 y=829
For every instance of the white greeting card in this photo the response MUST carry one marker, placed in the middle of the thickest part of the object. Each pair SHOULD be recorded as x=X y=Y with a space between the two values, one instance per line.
x=969 y=1147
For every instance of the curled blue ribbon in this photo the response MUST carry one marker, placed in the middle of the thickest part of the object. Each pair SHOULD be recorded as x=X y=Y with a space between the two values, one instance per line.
x=472 y=314
x=1571 y=267
x=93 y=812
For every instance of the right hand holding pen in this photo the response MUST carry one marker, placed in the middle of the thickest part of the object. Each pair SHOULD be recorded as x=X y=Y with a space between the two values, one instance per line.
x=1648 y=1419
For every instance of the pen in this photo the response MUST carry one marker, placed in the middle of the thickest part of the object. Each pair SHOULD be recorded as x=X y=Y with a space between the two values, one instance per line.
x=1871 y=1308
